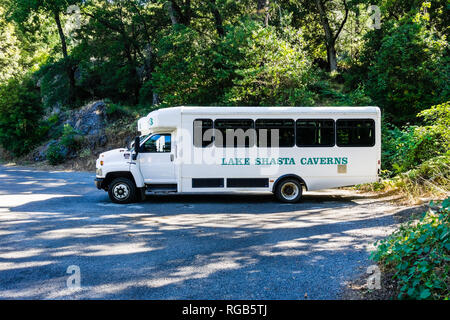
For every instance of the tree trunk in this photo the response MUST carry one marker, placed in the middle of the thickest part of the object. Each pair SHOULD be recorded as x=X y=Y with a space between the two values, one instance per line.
x=330 y=38
x=70 y=71
x=262 y=7
x=172 y=14
x=218 y=22
x=331 y=55
x=176 y=13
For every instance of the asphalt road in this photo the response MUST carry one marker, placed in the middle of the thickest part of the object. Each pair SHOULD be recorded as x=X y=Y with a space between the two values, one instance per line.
x=179 y=247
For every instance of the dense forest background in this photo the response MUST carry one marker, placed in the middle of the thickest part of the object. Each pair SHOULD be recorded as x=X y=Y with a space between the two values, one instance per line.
x=138 y=55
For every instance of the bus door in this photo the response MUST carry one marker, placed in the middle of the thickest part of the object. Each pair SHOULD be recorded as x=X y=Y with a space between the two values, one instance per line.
x=156 y=159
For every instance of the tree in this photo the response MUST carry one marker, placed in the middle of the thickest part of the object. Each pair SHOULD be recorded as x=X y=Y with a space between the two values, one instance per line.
x=20 y=115
x=23 y=9
x=408 y=71
x=330 y=35
x=10 y=49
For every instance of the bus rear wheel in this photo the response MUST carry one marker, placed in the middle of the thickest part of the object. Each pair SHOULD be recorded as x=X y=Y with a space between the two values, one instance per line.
x=122 y=190
x=289 y=190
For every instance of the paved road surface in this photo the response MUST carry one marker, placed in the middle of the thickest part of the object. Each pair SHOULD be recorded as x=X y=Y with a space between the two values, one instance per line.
x=179 y=247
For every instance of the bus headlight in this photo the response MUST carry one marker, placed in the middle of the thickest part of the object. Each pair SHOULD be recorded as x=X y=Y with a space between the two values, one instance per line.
x=99 y=172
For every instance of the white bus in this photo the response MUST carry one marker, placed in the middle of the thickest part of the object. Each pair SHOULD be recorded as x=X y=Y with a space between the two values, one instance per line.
x=284 y=150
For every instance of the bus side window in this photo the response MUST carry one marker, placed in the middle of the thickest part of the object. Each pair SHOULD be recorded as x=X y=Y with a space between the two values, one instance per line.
x=157 y=143
x=281 y=129
x=315 y=132
x=355 y=132
x=233 y=133
x=203 y=134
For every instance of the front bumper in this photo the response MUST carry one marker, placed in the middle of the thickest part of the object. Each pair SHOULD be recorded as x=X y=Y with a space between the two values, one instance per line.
x=99 y=182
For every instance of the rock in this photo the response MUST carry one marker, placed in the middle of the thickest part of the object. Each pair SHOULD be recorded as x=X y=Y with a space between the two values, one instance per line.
x=90 y=119
x=97 y=141
x=40 y=154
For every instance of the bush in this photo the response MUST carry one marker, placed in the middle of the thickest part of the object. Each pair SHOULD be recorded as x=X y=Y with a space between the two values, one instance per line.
x=20 y=114
x=56 y=153
x=430 y=177
x=117 y=111
x=70 y=138
x=405 y=149
x=419 y=255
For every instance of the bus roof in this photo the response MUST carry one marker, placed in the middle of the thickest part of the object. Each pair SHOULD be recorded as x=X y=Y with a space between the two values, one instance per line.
x=264 y=110
x=170 y=117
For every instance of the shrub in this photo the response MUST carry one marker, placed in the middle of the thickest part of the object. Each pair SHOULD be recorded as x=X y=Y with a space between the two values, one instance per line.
x=405 y=149
x=85 y=153
x=116 y=111
x=419 y=254
x=56 y=153
x=70 y=138
x=430 y=177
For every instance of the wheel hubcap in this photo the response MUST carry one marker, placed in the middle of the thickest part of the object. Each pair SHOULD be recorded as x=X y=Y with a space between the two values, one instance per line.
x=290 y=191
x=121 y=191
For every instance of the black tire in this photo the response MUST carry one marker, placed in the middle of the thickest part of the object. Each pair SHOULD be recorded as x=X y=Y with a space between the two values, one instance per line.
x=289 y=191
x=122 y=190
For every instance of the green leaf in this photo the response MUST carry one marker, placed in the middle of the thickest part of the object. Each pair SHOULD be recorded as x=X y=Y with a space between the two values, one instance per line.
x=425 y=294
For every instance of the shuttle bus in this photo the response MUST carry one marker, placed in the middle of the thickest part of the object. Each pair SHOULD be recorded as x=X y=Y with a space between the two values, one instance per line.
x=283 y=150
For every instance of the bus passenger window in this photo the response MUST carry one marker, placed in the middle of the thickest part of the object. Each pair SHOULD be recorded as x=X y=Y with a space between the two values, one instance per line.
x=355 y=132
x=315 y=133
x=281 y=129
x=233 y=133
x=203 y=133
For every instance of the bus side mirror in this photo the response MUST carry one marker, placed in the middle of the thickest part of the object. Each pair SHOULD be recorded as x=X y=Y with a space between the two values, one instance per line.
x=137 y=148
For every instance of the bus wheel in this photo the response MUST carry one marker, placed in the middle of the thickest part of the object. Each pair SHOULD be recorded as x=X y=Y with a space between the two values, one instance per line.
x=122 y=190
x=289 y=190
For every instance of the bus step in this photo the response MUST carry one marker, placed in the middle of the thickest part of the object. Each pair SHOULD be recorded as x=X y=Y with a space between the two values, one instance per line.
x=160 y=188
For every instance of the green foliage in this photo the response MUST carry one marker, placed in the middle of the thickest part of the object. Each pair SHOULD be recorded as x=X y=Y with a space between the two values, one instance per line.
x=184 y=74
x=54 y=84
x=419 y=255
x=409 y=71
x=335 y=95
x=20 y=115
x=10 y=48
x=85 y=153
x=405 y=149
x=268 y=67
x=429 y=177
x=70 y=138
x=251 y=65
x=408 y=148
x=438 y=116
x=56 y=153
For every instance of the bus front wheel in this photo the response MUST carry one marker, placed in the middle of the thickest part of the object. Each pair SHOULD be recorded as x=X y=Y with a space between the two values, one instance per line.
x=289 y=190
x=122 y=190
